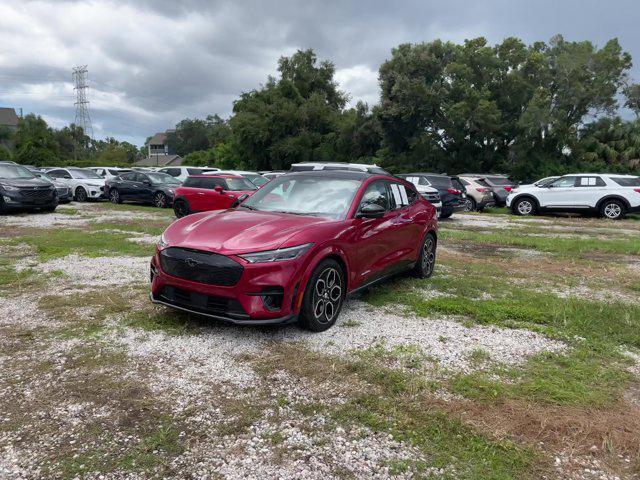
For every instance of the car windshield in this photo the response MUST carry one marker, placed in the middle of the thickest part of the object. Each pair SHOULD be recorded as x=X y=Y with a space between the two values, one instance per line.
x=439 y=182
x=499 y=180
x=163 y=178
x=80 y=173
x=15 y=171
x=304 y=195
x=627 y=181
x=546 y=181
x=239 y=184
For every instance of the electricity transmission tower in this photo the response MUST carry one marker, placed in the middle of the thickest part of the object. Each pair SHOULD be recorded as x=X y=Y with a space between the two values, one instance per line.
x=83 y=119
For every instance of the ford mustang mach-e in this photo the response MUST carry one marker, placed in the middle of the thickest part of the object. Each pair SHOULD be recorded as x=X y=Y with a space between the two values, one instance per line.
x=295 y=248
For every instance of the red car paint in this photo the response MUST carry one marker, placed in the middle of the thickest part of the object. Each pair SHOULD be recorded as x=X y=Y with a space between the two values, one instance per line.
x=367 y=248
x=215 y=192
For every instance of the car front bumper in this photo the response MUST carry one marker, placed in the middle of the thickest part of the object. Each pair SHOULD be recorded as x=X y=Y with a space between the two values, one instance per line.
x=242 y=303
x=17 y=201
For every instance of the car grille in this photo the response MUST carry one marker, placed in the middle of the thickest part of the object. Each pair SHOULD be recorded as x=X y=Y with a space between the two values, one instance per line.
x=201 y=267
x=36 y=192
x=208 y=304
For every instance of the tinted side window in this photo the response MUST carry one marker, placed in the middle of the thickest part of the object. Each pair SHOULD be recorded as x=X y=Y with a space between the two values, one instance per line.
x=301 y=168
x=399 y=196
x=377 y=193
x=193 y=182
x=128 y=177
x=59 y=174
x=174 y=172
x=464 y=182
x=212 y=183
x=564 y=182
x=424 y=182
x=627 y=181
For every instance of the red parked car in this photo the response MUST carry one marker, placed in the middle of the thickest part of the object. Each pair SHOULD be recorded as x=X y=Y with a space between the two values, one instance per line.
x=203 y=193
x=295 y=248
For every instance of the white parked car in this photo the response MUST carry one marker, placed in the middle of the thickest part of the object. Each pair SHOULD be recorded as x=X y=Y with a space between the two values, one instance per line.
x=110 y=172
x=181 y=173
x=354 y=167
x=610 y=195
x=84 y=183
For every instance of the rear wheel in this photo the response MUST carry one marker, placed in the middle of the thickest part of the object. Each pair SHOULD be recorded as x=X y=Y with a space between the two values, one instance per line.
x=445 y=215
x=81 y=195
x=470 y=205
x=181 y=208
x=427 y=258
x=114 y=196
x=524 y=206
x=613 y=209
x=160 y=200
x=323 y=297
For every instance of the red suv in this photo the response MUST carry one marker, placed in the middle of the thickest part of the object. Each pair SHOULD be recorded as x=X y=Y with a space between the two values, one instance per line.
x=295 y=248
x=202 y=193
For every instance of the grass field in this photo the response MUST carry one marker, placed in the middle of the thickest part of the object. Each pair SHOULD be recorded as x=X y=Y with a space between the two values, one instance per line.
x=518 y=359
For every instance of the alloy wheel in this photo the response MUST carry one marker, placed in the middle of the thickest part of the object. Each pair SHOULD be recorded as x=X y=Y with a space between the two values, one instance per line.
x=612 y=210
x=428 y=255
x=327 y=295
x=525 y=207
x=114 y=196
x=81 y=195
x=160 y=200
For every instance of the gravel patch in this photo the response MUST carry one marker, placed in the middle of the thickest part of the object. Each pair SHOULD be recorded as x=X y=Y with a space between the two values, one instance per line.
x=99 y=271
x=584 y=292
x=145 y=239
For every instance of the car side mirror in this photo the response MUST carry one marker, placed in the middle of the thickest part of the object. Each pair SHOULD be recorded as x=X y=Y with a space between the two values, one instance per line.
x=146 y=182
x=371 y=210
x=218 y=189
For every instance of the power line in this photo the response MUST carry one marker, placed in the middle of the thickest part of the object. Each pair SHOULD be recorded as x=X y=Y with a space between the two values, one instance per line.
x=83 y=118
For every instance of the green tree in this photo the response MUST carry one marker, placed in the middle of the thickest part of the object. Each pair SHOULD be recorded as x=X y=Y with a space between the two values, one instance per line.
x=35 y=143
x=632 y=92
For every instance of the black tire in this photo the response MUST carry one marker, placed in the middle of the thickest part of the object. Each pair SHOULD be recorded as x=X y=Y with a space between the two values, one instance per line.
x=471 y=205
x=323 y=297
x=427 y=258
x=181 y=208
x=114 y=196
x=3 y=210
x=80 y=195
x=52 y=208
x=524 y=206
x=160 y=200
x=613 y=209
x=445 y=215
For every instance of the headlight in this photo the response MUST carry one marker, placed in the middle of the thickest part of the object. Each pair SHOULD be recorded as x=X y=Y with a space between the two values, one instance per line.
x=276 y=255
x=162 y=243
x=9 y=188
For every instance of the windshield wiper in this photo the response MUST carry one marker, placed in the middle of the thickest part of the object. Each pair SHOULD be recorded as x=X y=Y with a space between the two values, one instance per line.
x=249 y=207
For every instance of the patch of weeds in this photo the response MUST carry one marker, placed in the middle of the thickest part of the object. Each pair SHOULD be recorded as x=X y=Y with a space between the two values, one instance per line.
x=68 y=211
x=63 y=242
x=14 y=281
x=479 y=355
x=274 y=438
x=171 y=323
x=141 y=226
x=579 y=378
x=350 y=324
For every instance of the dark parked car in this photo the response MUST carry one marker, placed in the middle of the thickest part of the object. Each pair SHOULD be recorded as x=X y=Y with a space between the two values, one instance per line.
x=295 y=248
x=500 y=185
x=206 y=192
x=453 y=199
x=20 y=189
x=154 y=188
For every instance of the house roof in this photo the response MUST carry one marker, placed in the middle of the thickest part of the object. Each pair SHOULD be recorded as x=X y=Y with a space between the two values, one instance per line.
x=8 y=117
x=160 y=161
x=159 y=138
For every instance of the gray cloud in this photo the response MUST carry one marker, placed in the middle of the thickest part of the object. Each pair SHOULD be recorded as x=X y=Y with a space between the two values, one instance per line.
x=153 y=62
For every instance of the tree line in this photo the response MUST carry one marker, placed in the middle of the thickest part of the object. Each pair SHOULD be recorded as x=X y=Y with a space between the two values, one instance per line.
x=526 y=110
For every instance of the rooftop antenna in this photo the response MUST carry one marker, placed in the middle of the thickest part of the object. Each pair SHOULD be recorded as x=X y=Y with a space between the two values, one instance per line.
x=83 y=119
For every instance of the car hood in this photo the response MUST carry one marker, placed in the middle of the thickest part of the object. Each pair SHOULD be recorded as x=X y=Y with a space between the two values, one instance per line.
x=25 y=182
x=93 y=182
x=239 y=231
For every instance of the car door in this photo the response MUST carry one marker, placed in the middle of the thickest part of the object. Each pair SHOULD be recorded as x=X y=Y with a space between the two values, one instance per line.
x=212 y=199
x=125 y=186
x=588 y=190
x=376 y=237
x=559 y=194
x=407 y=228
x=145 y=189
x=64 y=177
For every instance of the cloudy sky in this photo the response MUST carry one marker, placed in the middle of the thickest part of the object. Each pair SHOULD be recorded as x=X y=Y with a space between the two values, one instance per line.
x=154 y=62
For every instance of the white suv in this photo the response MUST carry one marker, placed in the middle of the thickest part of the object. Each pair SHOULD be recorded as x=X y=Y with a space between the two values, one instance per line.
x=354 y=167
x=610 y=195
x=181 y=173
x=83 y=182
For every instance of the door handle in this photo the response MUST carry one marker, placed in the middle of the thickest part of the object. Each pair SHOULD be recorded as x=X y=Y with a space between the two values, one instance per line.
x=200 y=193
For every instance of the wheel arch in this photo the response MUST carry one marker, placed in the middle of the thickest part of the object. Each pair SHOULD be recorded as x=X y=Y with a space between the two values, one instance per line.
x=525 y=195
x=607 y=198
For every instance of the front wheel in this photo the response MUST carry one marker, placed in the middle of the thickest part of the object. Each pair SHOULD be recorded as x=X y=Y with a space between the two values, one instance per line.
x=160 y=200
x=613 y=210
x=181 y=208
x=427 y=258
x=323 y=297
x=524 y=206
x=470 y=205
x=81 y=195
